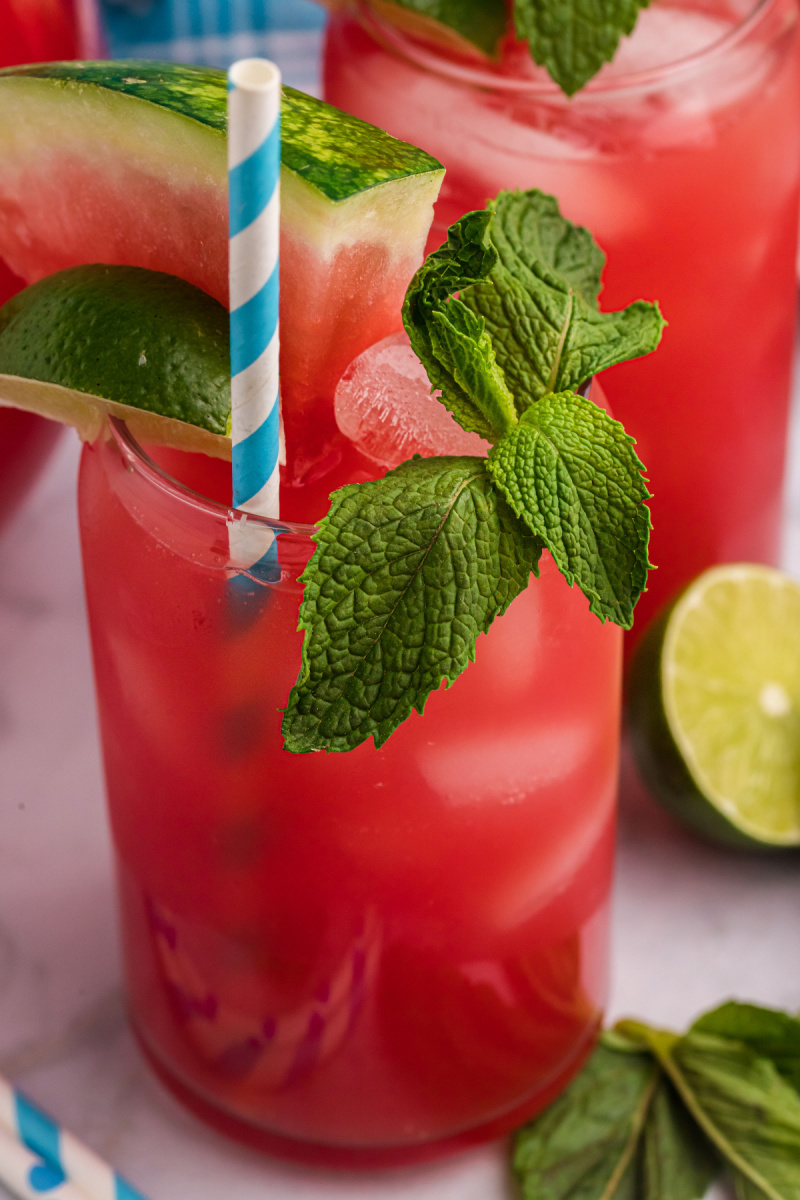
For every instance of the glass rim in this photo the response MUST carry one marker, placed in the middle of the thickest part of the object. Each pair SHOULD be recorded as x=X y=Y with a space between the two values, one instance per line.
x=429 y=59
x=165 y=482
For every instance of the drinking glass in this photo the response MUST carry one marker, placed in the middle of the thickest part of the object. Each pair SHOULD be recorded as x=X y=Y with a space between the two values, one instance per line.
x=360 y=958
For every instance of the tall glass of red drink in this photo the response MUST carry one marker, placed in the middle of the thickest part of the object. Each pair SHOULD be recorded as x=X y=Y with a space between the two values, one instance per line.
x=682 y=158
x=360 y=958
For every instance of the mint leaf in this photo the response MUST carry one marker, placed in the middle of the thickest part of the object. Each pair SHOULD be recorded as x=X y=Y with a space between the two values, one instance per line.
x=677 y=1160
x=449 y=339
x=753 y=1110
x=481 y=23
x=570 y=472
x=749 y=1113
x=540 y=302
x=769 y=1032
x=585 y=1145
x=408 y=570
x=529 y=226
x=572 y=39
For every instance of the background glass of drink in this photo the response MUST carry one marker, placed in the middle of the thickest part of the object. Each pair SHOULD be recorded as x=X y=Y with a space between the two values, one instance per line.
x=364 y=957
x=35 y=31
x=682 y=157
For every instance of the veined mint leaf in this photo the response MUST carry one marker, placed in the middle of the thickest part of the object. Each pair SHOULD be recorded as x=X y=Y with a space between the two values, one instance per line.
x=528 y=226
x=769 y=1032
x=677 y=1161
x=481 y=23
x=540 y=302
x=572 y=39
x=450 y=339
x=408 y=570
x=570 y=472
x=749 y=1113
x=756 y=1113
x=585 y=1145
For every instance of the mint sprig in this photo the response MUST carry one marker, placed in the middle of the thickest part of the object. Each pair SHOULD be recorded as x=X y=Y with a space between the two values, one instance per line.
x=655 y=1115
x=408 y=570
x=571 y=473
x=411 y=568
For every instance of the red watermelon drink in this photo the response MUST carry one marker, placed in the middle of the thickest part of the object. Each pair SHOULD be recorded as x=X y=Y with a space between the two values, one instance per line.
x=364 y=915
x=682 y=158
x=360 y=958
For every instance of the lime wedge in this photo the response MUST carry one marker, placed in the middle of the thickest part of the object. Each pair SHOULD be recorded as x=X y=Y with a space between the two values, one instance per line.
x=714 y=707
x=139 y=344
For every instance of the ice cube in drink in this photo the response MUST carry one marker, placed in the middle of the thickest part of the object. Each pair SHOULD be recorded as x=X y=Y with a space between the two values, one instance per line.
x=384 y=406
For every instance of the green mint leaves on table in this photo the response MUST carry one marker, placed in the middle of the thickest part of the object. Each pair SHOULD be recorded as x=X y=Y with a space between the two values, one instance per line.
x=656 y=1116
x=584 y=1145
x=411 y=568
x=771 y=1033
x=571 y=39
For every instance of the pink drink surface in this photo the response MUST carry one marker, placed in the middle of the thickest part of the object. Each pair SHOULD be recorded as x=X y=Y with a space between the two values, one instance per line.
x=363 y=957
x=689 y=182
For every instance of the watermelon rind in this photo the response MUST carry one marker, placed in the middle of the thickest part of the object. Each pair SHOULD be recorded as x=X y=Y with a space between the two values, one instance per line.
x=341 y=178
x=326 y=148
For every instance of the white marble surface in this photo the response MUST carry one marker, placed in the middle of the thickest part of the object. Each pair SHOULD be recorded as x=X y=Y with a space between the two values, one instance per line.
x=692 y=924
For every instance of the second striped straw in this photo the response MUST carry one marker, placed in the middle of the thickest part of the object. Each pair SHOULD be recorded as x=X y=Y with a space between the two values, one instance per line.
x=254 y=160
x=38 y=1158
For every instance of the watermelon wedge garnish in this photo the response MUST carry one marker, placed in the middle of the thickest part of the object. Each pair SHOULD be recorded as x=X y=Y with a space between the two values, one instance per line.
x=125 y=163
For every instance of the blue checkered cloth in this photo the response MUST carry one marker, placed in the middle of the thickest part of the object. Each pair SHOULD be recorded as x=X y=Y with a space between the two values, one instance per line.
x=214 y=33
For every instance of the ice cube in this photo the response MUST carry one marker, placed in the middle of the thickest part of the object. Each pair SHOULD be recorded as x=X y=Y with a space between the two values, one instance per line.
x=384 y=405
x=517 y=766
x=665 y=34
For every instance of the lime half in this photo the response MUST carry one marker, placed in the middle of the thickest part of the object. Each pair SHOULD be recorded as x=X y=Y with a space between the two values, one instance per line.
x=714 y=707
x=138 y=344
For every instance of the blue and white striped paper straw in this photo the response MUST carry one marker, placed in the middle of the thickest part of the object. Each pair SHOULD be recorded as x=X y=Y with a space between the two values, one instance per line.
x=38 y=1159
x=254 y=162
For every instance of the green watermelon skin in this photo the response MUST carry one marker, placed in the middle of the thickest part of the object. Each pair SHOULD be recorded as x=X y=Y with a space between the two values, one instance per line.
x=126 y=163
x=333 y=152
